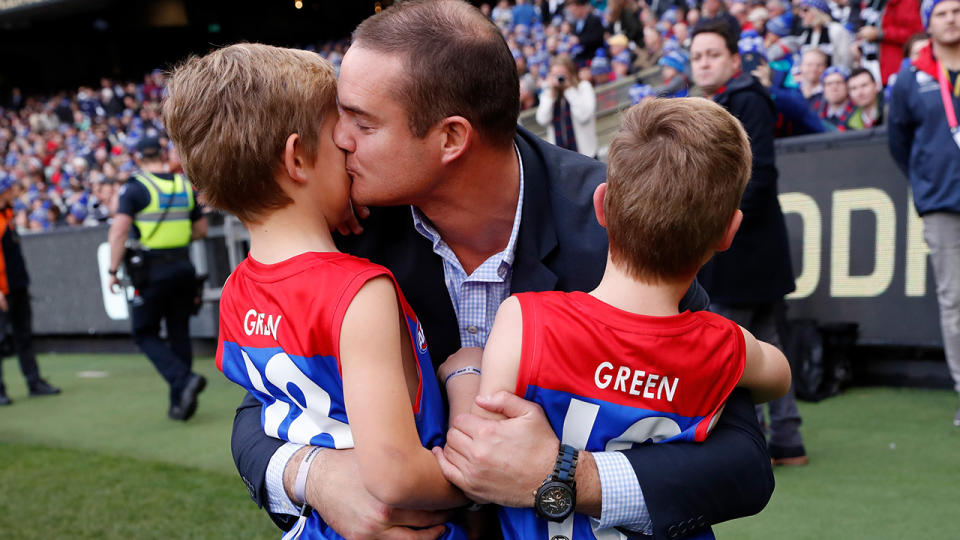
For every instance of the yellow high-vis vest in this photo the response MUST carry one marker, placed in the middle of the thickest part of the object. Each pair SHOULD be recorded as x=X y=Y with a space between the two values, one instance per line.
x=175 y=229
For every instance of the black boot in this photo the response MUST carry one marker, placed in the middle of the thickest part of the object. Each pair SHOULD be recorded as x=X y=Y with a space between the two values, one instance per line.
x=43 y=388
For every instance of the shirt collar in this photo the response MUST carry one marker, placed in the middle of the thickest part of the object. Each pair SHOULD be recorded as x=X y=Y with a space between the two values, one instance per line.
x=425 y=228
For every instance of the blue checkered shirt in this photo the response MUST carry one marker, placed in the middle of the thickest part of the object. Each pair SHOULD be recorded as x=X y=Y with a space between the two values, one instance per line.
x=476 y=299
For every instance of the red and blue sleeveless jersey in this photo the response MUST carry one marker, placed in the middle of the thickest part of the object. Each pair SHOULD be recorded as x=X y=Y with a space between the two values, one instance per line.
x=280 y=340
x=608 y=379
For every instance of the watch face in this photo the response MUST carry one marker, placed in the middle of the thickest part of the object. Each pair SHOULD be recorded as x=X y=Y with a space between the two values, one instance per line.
x=555 y=501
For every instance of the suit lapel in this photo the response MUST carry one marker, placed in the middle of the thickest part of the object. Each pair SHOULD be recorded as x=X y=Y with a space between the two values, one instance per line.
x=537 y=236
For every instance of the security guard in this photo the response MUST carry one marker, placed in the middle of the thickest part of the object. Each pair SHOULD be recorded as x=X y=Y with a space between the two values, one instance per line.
x=165 y=217
x=15 y=298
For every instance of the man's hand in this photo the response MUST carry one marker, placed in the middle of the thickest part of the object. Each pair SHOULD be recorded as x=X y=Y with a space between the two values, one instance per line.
x=762 y=73
x=351 y=221
x=335 y=490
x=115 y=286
x=500 y=461
x=3 y=303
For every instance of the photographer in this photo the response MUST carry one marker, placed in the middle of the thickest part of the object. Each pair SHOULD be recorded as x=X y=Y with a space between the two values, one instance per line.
x=158 y=211
x=568 y=108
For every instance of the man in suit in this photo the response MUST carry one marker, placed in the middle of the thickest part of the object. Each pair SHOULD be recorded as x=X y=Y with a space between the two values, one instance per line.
x=747 y=282
x=588 y=28
x=468 y=210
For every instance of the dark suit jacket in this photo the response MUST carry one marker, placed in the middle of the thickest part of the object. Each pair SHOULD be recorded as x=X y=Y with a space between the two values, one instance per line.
x=590 y=37
x=757 y=268
x=560 y=246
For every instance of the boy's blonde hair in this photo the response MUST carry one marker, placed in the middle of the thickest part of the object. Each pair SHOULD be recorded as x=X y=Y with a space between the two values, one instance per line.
x=677 y=169
x=230 y=112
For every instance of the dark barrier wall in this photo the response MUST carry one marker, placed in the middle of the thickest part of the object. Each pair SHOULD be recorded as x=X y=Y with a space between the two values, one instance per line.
x=68 y=275
x=856 y=240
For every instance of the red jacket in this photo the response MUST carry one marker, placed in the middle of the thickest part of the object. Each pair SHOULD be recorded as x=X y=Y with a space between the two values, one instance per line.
x=901 y=19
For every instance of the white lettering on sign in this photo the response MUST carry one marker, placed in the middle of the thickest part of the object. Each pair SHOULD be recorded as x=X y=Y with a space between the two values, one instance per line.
x=843 y=285
x=876 y=201
x=261 y=324
x=809 y=212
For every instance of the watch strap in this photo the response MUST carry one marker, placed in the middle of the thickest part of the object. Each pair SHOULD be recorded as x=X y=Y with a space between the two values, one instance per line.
x=565 y=467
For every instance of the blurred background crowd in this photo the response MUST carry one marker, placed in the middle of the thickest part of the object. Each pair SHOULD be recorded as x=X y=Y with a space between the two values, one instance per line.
x=825 y=62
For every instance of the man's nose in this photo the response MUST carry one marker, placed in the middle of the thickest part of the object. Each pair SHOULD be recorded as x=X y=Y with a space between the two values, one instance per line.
x=341 y=136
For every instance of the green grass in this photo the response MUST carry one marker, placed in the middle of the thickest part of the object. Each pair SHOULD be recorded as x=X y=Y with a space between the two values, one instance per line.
x=103 y=461
x=884 y=463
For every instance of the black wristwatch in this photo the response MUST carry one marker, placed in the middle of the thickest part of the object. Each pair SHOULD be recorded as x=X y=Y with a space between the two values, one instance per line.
x=557 y=496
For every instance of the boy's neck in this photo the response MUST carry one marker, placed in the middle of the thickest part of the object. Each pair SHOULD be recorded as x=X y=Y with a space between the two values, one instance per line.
x=627 y=293
x=289 y=232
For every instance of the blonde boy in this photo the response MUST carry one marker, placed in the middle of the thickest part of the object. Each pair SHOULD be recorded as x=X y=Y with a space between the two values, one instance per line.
x=323 y=339
x=621 y=365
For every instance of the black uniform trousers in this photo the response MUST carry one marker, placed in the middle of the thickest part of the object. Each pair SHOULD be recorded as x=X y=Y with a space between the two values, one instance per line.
x=20 y=318
x=167 y=296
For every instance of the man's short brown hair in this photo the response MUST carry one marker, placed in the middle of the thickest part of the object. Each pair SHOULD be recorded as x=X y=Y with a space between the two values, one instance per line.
x=230 y=112
x=456 y=63
x=677 y=169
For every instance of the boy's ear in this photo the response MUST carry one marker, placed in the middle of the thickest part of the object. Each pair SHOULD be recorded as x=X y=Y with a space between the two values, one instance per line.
x=292 y=159
x=456 y=134
x=599 y=195
x=727 y=239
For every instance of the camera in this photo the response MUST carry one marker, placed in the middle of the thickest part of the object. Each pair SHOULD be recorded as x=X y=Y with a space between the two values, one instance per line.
x=561 y=79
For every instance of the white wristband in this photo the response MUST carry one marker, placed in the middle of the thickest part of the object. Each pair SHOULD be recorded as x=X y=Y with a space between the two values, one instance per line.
x=461 y=371
x=300 y=486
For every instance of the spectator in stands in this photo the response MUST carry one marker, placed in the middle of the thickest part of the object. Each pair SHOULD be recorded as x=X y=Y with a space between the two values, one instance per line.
x=925 y=142
x=502 y=15
x=813 y=62
x=568 y=108
x=673 y=72
x=715 y=9
x=624 y=17
x=866 y=97
x=588 y=29
x=836 y=109
x=901 y=19
x=824 y=33
x=652 y=49
x=748 y=282
x=524 y=13
x=15 y=298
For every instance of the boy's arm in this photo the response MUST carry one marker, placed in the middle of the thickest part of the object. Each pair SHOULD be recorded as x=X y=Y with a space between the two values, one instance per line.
x=766 y=371
x=395 y=467
x=499 y=366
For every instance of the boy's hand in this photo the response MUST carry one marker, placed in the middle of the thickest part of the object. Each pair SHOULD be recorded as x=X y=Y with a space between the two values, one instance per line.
x=465 y=357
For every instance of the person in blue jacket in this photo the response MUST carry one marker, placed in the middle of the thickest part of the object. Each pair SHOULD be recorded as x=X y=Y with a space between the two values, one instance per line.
x=924 y=140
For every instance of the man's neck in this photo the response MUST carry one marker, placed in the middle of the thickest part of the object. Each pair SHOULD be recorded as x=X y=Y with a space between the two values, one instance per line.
x=153 y=167
x=474 y=208
x=808 y=89
x=627 y=293
x=947 y=55
x=834 y=109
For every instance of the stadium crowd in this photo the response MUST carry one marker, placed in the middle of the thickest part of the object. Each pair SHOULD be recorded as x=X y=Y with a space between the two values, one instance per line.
x=822 y=61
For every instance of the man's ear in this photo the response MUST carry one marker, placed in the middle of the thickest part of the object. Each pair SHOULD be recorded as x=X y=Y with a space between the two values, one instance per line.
x=293 y=160
x=599 y=195
x=456 y=135
x=727 y=239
